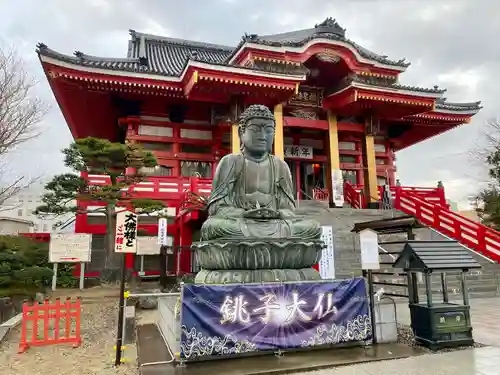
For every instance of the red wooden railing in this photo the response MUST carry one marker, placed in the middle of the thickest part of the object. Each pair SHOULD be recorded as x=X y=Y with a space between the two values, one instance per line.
x=430 y=207
x=160 y=187
x=353 y=196
x=321 y=194
x=474 y=235
x=58 y=316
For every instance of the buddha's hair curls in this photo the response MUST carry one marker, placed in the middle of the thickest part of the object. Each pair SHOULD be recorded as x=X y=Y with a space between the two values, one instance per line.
x=255 y=111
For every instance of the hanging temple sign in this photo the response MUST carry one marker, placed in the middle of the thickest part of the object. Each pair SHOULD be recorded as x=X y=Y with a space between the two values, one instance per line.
x=252 y=233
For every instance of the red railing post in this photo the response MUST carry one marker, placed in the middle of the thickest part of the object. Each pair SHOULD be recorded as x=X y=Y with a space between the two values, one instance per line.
x=193 y=181
x=78 y=316
x=37 y=312
x=481 y=239
x=397 y=197
x=436 y=210
x=441 y=194
x=23 y=344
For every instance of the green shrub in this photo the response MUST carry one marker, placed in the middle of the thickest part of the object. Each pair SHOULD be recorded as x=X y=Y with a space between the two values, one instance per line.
x=25 y=268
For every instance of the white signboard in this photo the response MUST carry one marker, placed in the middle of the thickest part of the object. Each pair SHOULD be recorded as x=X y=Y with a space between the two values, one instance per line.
x=162 y=232
x=301 y=152
x=370 y=259
x=327 y=261
x=338 y=187
x=147 y=246
x=126 y=232
x=69 y=248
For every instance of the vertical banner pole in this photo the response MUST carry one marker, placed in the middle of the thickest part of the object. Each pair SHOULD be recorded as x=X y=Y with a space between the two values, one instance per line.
x=82 y=275
x=163 y=267
x=121 y=310
x=54 y=276
x=372 y=305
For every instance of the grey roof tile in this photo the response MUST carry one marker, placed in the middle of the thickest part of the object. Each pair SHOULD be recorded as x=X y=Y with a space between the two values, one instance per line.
x=124 y=64
x=169 y=56
x=384 y=84
x=328 y=29
x=442 y=103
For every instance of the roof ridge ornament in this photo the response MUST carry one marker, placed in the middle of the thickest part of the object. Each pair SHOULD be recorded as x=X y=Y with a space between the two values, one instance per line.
x=330 y=26
x=42 y=46
x=249 y=37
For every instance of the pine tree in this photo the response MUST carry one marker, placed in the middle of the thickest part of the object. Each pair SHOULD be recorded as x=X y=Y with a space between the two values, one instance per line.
x=100 y=156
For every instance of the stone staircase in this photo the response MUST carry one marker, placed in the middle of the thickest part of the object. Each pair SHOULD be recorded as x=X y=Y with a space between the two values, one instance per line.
x=481 y=283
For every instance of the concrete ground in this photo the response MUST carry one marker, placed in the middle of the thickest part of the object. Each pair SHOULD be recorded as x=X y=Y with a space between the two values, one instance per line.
x=479 y=361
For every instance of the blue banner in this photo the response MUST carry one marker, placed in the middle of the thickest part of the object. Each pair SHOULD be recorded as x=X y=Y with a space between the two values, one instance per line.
x=230 y=319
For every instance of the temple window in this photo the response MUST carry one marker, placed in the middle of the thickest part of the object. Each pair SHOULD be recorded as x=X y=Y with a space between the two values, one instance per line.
x=157 y=146
x=381 y=181
x=159 y=170
x=196 y=149
x=350 y=176
x=380 y=161
x=196 y=169
x=351 y=146
x=155 y=131
x=347 y=159
x=379 y=147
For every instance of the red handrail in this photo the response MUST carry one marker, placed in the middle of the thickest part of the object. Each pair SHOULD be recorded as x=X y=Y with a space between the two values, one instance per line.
x=474 y=235
x=352 y=196
x=321 y=194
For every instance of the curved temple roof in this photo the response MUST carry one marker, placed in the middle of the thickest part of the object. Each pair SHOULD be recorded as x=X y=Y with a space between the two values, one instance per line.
x=328 y=29
x=169 y=56
x=442 y=104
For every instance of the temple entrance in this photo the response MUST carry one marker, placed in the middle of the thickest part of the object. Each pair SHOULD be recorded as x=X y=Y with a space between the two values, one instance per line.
x=307 y=177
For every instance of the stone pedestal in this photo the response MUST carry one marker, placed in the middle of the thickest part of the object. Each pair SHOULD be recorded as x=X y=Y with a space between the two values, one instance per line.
x=253 y=260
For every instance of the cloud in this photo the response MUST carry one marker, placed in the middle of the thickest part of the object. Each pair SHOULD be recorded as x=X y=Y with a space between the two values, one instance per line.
x=452 y=43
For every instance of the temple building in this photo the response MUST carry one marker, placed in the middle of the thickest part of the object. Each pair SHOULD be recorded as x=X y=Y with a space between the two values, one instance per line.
x=341 y=111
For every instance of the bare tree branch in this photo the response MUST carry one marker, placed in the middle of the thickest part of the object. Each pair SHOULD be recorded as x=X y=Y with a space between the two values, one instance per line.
x=20 y=110
x=20 y=114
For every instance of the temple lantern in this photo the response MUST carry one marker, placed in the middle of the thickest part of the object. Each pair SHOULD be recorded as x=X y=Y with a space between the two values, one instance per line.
x=316 y=168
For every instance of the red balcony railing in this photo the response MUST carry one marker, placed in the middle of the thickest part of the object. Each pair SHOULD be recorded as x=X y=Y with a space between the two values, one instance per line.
x=160 y=187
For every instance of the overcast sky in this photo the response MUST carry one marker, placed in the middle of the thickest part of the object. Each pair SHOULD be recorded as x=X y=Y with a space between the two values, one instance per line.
x=451 y=43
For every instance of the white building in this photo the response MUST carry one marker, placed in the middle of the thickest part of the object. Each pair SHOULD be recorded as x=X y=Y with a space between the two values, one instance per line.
x=22 y=206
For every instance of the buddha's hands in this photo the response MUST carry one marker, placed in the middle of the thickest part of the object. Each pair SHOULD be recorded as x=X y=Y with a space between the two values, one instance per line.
x=262 y=213
x=287 y=214
x=231 y=212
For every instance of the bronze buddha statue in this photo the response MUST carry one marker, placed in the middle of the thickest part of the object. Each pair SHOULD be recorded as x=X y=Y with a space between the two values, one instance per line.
x=252 y=233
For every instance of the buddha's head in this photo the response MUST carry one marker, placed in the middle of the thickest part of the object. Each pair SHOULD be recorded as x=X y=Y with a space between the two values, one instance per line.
x=256 y=130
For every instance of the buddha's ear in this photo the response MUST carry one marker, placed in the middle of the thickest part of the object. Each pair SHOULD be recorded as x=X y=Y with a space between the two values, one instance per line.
x=240 y=136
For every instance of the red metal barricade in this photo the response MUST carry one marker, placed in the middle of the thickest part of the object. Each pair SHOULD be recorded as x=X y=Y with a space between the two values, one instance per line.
x=50 y=323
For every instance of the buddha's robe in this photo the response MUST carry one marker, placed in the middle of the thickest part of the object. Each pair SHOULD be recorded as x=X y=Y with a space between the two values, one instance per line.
x=240 y=185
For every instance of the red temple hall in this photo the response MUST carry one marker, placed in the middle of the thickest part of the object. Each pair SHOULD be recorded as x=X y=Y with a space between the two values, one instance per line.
x=341 y=114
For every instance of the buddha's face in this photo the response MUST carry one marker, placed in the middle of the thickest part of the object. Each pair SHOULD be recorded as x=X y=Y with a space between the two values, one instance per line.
x=258 y=136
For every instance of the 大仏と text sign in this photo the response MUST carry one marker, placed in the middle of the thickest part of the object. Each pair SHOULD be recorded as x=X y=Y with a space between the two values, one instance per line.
x=126 y=232
x=233 y=319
